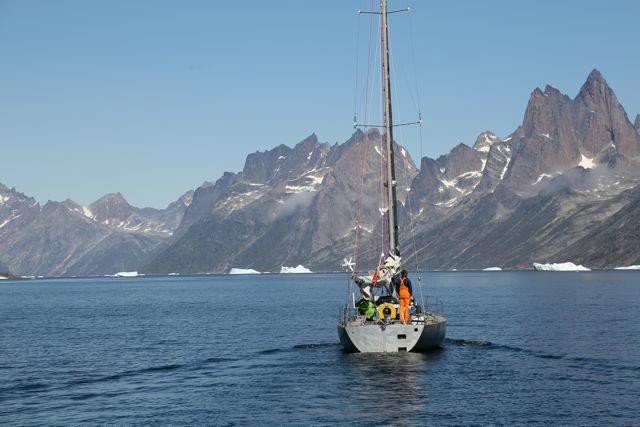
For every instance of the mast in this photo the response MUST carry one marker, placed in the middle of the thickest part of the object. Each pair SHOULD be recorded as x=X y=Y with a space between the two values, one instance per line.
x=394 y=246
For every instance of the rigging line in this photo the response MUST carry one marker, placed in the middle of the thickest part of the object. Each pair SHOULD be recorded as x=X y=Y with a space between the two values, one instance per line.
x=420 y=133
x=413 y=58
x=362 y=148
x=355 y=113
x=355 y=95
x=395 y=84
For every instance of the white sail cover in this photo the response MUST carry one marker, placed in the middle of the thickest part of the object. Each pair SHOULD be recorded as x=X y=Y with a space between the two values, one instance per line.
x=386 y=271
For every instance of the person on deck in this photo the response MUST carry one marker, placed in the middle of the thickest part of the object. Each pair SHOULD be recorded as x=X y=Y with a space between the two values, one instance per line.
x=405 y=293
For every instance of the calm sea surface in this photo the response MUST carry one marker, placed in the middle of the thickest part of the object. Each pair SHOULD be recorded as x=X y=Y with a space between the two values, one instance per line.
x=554 y=348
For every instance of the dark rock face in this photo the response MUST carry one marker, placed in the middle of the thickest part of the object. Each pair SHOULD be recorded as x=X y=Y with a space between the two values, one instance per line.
x=637 y=122
x=280 y=212
x=616 y=238
x=4 y=270
x=64 y=238
x=544 y=189
x=531 y=196
x=115 y=212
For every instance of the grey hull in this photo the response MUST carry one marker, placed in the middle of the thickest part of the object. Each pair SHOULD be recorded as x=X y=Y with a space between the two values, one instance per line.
x=369 y=337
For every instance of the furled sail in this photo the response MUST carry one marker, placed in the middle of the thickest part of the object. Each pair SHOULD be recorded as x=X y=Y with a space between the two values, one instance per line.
x=381 y=277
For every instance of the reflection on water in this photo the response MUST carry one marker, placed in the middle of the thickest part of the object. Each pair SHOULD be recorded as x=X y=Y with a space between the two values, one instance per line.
x=391 y=383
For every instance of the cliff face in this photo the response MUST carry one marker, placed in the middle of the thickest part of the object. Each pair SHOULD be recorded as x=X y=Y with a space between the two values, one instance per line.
x=536 y=195
x=64 y=238
x=287 y=206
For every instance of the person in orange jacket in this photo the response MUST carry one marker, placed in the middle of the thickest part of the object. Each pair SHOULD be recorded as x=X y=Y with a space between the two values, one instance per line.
x=405 y=293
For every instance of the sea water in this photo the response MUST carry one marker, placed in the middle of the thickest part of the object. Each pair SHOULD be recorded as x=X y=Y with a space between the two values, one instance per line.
x=549 y=348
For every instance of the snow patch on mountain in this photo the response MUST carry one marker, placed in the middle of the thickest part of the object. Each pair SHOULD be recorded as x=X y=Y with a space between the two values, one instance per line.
x=541 y=177
x=7 y=221
x=586 y=162
x=87 y=212
x=485 y=140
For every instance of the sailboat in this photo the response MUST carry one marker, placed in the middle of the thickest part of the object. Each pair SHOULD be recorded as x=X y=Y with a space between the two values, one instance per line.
x=373 y=324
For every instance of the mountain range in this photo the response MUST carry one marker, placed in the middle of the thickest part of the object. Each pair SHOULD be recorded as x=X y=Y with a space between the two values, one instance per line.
x=563 y=186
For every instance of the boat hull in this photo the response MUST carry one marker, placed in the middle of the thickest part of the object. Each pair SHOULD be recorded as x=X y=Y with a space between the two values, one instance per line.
x=372 y=337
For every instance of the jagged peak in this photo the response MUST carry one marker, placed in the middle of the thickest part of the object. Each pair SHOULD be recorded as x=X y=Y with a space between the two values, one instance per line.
x=595 y=86
x=537 y=93
x=551 y=91
x=460 y=147
x=111 y=198
x=485 y=140
x=310 y=140
x=595 y=76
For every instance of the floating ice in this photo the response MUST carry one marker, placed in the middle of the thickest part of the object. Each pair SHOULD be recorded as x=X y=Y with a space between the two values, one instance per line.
x=127 y=274
x=492 y=269
x=631 y=267
x=243 y=271
x=298 y=269
x=563 y=266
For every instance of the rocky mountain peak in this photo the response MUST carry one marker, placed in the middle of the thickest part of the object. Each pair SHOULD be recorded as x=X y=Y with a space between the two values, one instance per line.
x=485 y=140
x=604 y=120
x=110 y=208
x=595 y=78
x=552 y=91
x=596 y=93
x=283 y=162
x=111 y=199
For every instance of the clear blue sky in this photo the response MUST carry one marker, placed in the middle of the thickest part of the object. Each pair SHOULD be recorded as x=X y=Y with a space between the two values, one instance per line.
x=150 y=98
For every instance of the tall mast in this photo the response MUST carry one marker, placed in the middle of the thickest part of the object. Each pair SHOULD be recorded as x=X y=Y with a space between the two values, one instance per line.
x=394 y=246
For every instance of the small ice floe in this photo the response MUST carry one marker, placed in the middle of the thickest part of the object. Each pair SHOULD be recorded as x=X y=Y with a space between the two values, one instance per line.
x=3 y=278
x=492 y=269
x=243 y=271
x=173 y=274
x=563 y=266
x=631 y=267
x=298 y=269
x=127 y=274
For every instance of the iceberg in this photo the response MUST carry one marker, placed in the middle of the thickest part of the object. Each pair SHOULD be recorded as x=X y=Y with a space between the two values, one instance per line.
x=563 y=266
x=298 y=269
x=243 y=271
x=492 y=269
x=127 y=274
x=631 y=267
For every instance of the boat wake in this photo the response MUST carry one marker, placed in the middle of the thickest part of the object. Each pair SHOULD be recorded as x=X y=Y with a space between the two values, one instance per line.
x=584 y=362
x=314 y=346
